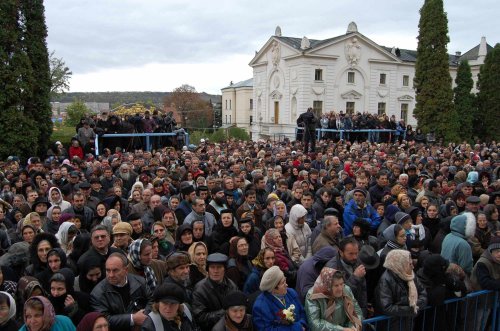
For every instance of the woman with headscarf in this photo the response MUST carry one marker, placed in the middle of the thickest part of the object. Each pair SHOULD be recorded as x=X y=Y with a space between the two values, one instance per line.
x=223 y=231
x=8 y=312
x=235 y=304
x=396 y=239
x=165 y=244
x=278 y=307
x=361 y=232
x=101 y=212
x=81 y=244
x=39 y=315
x=238 y=266
x=183 y=237
x=41 y=245
x=289 y=242
x=142 y=263
x=56 y=199
x=264 y=260
x=93 y=321
x=65 y=235
x=274 y=241
x=298 y=228
x=7 y=284
x=56 y=260
x=399 y=293
x=90 y=275
x=27 y=287
x=169 y=219
x=65 y=299
x=169 y=311
x=330 y=304
x=247 y=229
x=198 y=253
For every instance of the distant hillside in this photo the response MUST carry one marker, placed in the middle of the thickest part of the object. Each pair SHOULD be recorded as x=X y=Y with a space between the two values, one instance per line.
x=115 y=98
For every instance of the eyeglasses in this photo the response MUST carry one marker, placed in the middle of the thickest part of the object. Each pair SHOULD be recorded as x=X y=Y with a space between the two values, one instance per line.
x=102 y=236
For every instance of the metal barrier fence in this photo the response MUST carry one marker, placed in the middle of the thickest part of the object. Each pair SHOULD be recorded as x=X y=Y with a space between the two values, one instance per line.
x=477 y=311
x=373 y=134
x=133 y=135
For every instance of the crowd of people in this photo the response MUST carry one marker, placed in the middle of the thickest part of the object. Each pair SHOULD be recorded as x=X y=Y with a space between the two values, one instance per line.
x=250 y=236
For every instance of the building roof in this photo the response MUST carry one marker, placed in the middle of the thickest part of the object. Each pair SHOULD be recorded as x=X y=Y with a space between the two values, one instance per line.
x=244 y=83
x=472 y=53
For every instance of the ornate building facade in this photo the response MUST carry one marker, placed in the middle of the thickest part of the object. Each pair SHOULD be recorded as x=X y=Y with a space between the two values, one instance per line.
x=349 y=73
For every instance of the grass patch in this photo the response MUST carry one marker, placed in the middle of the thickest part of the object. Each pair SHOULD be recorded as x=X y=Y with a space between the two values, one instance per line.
x=63 y=134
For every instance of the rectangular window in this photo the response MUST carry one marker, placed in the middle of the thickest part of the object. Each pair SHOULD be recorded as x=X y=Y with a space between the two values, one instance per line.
x=406 y=80
x=229 y=119
x=226 y=103
x=318 y=74
x=226 y=116
x=404 y=112
x=381 y=108
x=382 y=79
x=318 y=108
x=230 y=104
x=251 y=104
x=350 y=77
x=349 y=107
x=251 y=119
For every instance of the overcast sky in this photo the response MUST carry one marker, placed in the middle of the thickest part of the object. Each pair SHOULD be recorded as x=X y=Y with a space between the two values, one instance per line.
x=157 y=45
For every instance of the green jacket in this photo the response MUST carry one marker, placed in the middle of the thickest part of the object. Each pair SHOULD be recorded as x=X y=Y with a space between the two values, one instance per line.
x=315 y=313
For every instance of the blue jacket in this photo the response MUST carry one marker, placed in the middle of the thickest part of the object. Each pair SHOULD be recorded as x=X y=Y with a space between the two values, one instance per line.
x=455 y=247
x=253 y=281
x=62 y=323
x=265 y=311
x=352 y=212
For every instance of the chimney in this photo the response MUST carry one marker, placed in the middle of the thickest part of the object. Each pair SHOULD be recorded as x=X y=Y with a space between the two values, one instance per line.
x=481 y=54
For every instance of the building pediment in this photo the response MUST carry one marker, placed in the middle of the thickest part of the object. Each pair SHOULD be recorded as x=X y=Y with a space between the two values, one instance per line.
x=278 y=48
x=350 y=95
x=405 y=97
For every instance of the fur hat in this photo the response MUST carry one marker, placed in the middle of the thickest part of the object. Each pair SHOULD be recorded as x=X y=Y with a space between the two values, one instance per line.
x=464 y=224
x=271 y=279
x=177 y=259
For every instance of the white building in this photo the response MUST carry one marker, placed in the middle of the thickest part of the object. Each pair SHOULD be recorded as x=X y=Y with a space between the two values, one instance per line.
x=349 y=72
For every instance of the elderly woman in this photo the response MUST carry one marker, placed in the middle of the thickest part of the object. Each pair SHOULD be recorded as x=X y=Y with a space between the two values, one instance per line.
x=142 y=263
x=236 y=318
x=93 y=321
x=198 y=252
x=399 y=294
x=169 y=311
x=278 y=307
x=39 y=315
x=330 y=304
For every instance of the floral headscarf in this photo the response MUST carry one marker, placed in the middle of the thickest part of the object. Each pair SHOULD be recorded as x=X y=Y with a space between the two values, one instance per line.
x=49 y=315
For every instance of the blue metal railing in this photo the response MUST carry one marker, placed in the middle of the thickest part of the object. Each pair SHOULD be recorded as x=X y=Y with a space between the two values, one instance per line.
x=477 y=311
x=343 y=132
x=147 y=135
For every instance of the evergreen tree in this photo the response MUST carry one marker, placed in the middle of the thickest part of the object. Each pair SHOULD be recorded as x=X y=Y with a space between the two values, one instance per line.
x=434 y=110
x=38 y=104
x=19 y=132
x=489 y=96
x=464 y=100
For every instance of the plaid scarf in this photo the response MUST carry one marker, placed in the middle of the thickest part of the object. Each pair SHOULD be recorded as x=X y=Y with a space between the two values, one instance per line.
x=134 y=253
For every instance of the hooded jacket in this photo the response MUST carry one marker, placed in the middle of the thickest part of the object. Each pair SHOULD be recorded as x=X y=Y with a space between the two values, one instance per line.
x=61 y=203
x=455 y=247
x=310 y=269
x=300 y=232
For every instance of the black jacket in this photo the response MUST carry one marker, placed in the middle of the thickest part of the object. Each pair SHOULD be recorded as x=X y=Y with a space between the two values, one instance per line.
x=105 y=299
x=186 y=324
x=391 y=298
x=208 y=297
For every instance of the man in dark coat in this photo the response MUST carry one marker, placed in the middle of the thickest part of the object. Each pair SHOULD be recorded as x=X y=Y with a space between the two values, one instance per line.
x=209 y=293
x=121 y=297
x=310 y=122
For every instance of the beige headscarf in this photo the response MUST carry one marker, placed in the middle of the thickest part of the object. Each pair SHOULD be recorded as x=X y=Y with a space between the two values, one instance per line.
x=399 y=262
x=322 y=289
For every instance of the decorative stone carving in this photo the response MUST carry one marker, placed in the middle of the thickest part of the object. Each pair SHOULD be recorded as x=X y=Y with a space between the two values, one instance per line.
x=405 y=97
x=276 y=81
x=305 y=43
x=352 y=27
x=293 y=74
x=383 y=93
x=276 y=95
x=277 y=32
x=353 y=52
x=259 y=93
x=318 y=90
x=276 y=54
x=294 y=90
x=351 y=95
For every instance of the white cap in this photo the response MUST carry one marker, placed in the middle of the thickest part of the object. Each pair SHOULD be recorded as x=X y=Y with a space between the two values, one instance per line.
x=202 y=140
x=58 y=143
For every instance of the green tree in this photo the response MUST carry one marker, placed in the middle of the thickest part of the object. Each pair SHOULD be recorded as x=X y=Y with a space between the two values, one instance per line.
x=15 y=79
x=75 y=112
x=37 y=104
x=434 y=109
x=464 y=100
x=488 y=96
x=59 y=75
